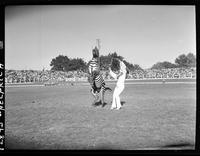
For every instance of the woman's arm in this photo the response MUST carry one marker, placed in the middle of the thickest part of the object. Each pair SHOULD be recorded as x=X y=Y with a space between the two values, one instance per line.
x=121 y=73
x=112 y=73
x=122 y=69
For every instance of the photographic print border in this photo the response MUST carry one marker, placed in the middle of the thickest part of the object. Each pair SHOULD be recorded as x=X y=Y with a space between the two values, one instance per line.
x=79 y=2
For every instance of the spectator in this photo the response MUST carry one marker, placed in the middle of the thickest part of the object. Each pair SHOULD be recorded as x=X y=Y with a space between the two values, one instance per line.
x=24 y=76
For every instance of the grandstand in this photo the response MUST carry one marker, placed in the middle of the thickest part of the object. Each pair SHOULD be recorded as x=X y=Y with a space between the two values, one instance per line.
x=52 y=77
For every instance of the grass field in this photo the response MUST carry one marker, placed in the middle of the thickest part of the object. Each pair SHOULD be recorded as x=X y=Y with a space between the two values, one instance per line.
x=153 y=116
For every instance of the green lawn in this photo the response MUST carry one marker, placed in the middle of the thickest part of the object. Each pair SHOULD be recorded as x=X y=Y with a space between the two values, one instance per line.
x=158 y=116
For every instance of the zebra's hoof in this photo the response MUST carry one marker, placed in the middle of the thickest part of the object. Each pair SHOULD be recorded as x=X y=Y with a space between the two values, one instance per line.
x=94 y=104
x=97 y=103
x=103 y=105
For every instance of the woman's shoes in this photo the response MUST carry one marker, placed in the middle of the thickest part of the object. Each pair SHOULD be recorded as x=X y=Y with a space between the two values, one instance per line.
x=113 y=107
x=116 y=108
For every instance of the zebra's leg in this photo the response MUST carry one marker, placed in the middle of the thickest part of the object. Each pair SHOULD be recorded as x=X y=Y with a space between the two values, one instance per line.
x=102 y=95
x=95 y=95
x=93 y=90
x=98 y=94
x=99 y=83
x=96 y=100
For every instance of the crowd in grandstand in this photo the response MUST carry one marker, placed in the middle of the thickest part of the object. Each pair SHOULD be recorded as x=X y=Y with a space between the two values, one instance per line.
x=164 y=73
x=22 y=76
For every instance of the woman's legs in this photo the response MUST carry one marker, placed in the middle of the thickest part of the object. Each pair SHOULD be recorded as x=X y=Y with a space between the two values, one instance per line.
x=116 y=99
x=119 y=91
x=113 y=101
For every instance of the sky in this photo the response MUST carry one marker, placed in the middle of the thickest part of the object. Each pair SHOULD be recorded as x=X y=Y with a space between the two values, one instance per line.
x=142 y=34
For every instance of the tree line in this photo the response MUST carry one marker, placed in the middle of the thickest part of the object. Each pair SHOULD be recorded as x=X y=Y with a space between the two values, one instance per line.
x=64 y=63
x=182 y=61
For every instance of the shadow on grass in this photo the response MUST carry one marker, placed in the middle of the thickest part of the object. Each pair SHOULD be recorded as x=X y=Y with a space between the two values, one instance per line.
x=99 y=104
x=104 y=104
x=122 y=103
x=13 y=143
x=180 y=146
x=22 y=144
x=16 y=143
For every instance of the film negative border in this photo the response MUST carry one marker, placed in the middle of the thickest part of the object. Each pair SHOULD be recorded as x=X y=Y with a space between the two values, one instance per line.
x=2 y=81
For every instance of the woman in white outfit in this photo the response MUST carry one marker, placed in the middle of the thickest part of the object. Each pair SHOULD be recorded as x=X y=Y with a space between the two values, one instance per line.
x=116 y=104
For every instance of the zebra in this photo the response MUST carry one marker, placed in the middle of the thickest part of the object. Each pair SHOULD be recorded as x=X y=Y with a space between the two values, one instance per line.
x=95 y=78
x=100 y=90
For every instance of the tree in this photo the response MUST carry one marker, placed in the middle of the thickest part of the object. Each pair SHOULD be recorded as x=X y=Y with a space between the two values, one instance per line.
x=106 y=60
x=114 y=55
x=188 y=60
x=163 y=65
x=59 y=63
x=136 y=67
x=182 y=61
x=191 y=60
x=63 y=63
x=76 y=64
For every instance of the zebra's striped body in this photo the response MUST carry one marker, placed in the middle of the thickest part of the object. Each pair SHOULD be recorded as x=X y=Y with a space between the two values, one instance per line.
x=96 y=80
x=94 y=66
x=95 y=77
